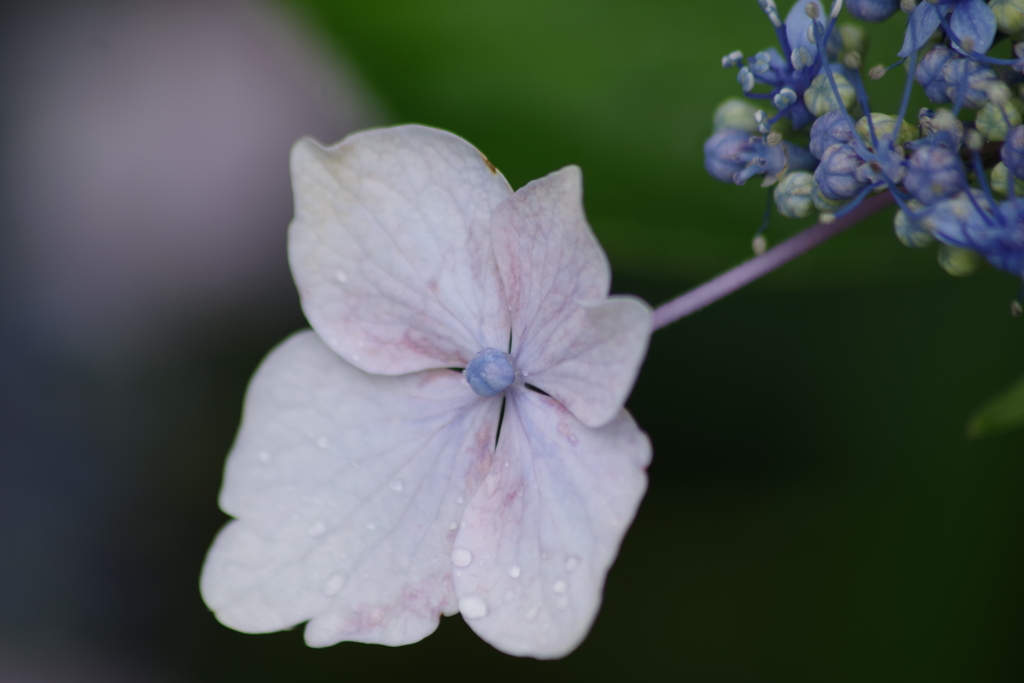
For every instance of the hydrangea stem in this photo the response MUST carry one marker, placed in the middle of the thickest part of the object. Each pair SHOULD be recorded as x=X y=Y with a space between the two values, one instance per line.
x=745 y=273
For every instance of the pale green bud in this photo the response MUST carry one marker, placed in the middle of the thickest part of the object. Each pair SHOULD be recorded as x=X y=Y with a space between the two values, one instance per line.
x=1000 y=176
x=958 y=262
x=884 y=125
x=823 y=203
x=908 y=231
x=1009 y=15
x=855 y=38
x=820 y=99
x=735 y=113
x=793 y=194
x=991 y=121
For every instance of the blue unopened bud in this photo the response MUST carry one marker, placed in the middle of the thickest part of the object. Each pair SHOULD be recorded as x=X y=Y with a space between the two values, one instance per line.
x=967 y=82
x=490 y=372
x=929 y=73
x=886 y=164
x=831 y=129
x=734 y=156
x=1012 y=152
x=793 y=195
x=933 y=174
x=872 y=10
x=836 y=175
x=745 y=78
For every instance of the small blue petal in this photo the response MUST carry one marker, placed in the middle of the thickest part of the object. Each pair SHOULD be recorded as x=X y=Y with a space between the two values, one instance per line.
x=973 y=19
x=925 y=19
x=490 y=372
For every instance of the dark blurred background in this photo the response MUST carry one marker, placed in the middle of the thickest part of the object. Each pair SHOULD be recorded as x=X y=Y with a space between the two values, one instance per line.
x=815 y=511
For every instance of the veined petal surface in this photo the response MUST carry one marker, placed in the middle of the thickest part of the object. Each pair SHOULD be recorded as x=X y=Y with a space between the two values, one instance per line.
x=391 y=248
x=348 y=489
x=973 y=20
x=925 y=18
x=568 y=338
x=543 y=529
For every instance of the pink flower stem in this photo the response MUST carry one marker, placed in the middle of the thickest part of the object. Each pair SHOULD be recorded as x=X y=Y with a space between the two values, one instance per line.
x=745 y=273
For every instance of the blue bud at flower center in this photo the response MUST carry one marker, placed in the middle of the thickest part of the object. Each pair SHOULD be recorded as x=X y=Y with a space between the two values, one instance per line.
x=490 y=372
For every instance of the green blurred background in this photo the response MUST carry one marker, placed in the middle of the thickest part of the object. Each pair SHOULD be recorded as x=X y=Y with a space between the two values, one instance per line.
x=815 y=511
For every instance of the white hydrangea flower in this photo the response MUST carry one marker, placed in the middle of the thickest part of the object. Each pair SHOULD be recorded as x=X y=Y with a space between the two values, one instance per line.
x=370 y=487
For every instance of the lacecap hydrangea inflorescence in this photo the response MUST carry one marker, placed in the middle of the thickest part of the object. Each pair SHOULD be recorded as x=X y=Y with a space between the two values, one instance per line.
x=957 y=174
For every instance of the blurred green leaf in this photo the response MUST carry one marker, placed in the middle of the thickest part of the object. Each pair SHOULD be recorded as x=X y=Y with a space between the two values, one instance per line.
x=1001 y=414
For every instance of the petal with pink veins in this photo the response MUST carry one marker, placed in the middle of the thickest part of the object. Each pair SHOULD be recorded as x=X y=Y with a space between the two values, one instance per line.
x=391 y=248
x=568 y=337
x=539 y=536
x=347 y=489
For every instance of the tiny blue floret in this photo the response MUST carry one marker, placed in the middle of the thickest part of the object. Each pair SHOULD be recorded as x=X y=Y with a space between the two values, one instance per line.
x=490 y=372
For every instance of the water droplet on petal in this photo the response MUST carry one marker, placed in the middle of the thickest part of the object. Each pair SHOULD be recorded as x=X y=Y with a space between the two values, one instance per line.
x=506 y=463
x=396 y=486
x=340 y=276
x=461 y=557
x=334 y=585
x=559 y=586
x=460 y=500
x=473 y=607
x=322 y=442
x=571 y=563
x=317 y=528
x=263 y=456
x=453 y=526
x=532 y=613
x=514 y=571
x=371 y=526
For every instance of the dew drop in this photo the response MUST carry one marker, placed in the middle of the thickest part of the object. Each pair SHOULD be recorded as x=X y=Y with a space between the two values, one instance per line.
x=396 y=486
x=473 y=607
x=572 y=563
x=532 y=613
x=340 y=276
x=460 y=500
x=461 y=557
x=514 y=571
x=506 y=463
x=558 y=586
x=334 y=584
x=322 y=442
x=453 y=526
x=263 y=456
x=371 y=526
x=317 y=528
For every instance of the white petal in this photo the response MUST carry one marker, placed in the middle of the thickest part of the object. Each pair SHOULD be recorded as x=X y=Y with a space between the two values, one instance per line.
x=543 y=529
x=348 y=489
x=567 y=337
x=391 y=249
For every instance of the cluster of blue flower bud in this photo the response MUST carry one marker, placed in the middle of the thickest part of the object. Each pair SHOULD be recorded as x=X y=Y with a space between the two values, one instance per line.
x=958 y=178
